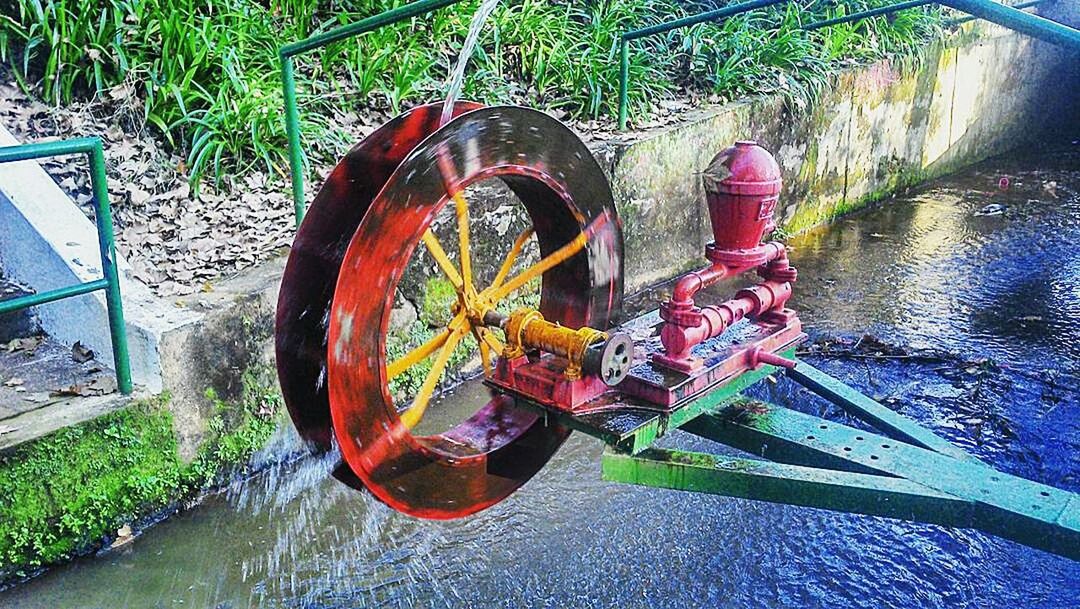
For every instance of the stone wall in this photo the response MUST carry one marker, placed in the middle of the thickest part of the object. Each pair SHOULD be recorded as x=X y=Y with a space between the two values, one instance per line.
x=876 y=130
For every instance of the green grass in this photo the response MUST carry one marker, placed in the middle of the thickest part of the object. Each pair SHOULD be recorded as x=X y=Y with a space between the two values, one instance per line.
x=63 y=494
x=204 y=73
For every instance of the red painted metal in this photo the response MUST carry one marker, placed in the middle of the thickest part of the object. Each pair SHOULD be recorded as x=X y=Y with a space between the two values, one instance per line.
x=485 y=458
x=742 y=186
x=543 y=381
x=744 y=346
x=307 y=286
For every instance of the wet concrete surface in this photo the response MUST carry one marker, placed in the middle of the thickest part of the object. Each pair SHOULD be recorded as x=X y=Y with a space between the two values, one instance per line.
x=975 y=324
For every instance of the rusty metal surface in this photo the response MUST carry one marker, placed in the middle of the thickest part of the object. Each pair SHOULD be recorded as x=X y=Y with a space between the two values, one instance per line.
x=488 y=456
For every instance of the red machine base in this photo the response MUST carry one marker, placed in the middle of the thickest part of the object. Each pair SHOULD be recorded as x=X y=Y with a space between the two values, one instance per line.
x=732 y=353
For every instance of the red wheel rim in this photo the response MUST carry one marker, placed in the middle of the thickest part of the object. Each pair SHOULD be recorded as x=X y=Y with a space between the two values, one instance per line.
x=307 y=285
x=488 y=456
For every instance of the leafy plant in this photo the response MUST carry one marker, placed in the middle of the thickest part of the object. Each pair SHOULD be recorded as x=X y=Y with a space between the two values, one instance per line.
x=205 y=73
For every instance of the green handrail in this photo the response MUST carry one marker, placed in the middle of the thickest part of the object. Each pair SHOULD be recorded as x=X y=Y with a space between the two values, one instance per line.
x=624 y=50
x=110 y=282
x=1008 y=16
x=316 y=41
x=874 y=12
x=1015 y=19
x=1021 y=5
x=901 y=6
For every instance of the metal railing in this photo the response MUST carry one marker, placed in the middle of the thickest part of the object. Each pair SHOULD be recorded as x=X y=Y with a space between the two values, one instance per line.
x=286 y=54
x=110 y=281
x=902 y=6
x=1011 y=17
x=874 y=12
x=624 y=43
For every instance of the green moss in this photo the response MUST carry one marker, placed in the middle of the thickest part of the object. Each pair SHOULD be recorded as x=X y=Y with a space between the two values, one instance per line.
x=64 y=494
x=439 y=296
x=61 y=493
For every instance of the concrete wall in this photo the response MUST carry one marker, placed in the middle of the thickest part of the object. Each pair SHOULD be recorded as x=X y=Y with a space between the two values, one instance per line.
x=877 y=129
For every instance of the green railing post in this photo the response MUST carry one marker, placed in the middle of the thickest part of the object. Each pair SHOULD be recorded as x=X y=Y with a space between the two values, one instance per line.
x=107 y=247
x=315 y=41
x=292 y=131
x=110 y=282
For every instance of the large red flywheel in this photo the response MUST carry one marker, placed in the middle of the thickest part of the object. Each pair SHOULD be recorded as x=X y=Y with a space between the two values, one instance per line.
x=338 y=290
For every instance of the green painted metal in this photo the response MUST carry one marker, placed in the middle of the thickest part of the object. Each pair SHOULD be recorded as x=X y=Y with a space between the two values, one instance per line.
x=881 y=10
x=660 y=28
x=1016 y=19
x=1011 y=17
x=110 y=282
x=855 y=403
x=292 y=132
x=33 y=300
x=317 y=41
x=1007 y=506
x=1021 y=5
x=812 y=487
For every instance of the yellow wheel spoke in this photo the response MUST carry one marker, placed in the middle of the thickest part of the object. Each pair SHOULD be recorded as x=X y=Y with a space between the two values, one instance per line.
x=416 y=411
x=538 y=269
x=422 y=352
x=439 y=254
x=462 y=208
x=491 y=340
x=515 y=251
x=485 y=350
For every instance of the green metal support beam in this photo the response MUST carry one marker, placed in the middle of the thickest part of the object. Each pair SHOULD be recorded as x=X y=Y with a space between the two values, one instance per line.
x=862 y=407
x=827 y=489
x=1007 y=506
x=317 y=41
x=110 y=282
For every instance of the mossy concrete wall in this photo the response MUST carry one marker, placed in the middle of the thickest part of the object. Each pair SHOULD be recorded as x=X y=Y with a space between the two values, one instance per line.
x=875 y=130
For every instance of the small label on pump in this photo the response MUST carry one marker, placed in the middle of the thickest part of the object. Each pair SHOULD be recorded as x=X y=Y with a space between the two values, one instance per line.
x=768 y=206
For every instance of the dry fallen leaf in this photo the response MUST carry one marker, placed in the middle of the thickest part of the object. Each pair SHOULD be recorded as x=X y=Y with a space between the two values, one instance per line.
x=98 y=386
x=28 y=344
x=80 y=353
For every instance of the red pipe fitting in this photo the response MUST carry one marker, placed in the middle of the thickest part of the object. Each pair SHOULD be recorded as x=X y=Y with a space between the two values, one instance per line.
x=749 y=302
x=742 y=187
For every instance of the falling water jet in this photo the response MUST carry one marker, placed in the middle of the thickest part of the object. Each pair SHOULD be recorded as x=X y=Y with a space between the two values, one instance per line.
x=457 y=77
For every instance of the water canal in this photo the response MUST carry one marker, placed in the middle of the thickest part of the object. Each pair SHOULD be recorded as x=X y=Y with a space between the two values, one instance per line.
x=977 y=287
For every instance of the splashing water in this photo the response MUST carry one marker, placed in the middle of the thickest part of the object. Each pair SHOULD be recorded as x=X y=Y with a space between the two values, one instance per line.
x=457 y=77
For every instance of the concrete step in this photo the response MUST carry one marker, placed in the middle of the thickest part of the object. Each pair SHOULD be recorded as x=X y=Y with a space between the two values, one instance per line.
x=45 y=385
x=56 y=415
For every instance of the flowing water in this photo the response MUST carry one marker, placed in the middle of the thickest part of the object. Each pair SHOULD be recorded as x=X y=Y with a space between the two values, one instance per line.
x=926 y=271
x=457 y=77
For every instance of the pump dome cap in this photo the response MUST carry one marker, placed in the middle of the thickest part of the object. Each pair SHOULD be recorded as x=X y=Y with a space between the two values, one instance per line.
x=743 y=169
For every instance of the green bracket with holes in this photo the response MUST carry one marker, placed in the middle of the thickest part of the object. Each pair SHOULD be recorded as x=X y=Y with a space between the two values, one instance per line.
x=904 y=472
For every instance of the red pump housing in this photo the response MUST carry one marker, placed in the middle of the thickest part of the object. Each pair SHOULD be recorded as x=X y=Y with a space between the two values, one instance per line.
x=742 y=186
